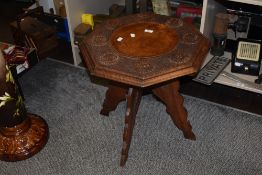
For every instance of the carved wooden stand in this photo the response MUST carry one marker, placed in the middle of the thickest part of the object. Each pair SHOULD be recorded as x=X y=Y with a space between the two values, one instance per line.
x=168 y=94
x=23 y=140
x=124 y=51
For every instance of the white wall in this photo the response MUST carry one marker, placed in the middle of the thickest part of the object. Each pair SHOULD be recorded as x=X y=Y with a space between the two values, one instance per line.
x=75 y=9
x=47 y=4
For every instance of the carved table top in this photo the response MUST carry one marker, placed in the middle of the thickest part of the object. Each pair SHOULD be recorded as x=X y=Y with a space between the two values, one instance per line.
x=144 y=49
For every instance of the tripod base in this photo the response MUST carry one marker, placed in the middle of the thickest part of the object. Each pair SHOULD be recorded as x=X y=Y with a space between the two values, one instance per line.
x=24 y=140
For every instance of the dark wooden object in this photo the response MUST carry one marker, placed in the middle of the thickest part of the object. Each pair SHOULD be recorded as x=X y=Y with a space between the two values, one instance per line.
x=21 y=134
x=130 y=6
x=143 y=5
x=150 y=60
x=31 y=32
x=116 y=10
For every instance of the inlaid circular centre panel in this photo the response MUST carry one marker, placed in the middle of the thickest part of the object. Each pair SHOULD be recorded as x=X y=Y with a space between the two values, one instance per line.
x=144 y=39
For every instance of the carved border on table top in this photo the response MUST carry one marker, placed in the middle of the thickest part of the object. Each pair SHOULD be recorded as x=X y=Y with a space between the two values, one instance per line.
x=112 y=24
x=106 y=54
x=190 y=38
x=174 y=23
x=180 y=55
x=99 y=40
x=144 y=67
x=108 y=59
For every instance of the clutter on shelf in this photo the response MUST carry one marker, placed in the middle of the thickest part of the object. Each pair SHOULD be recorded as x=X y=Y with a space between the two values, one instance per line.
x=18 y=58
x=189 y=10
x=81 y=31
x=30 y=31
x=89 y=21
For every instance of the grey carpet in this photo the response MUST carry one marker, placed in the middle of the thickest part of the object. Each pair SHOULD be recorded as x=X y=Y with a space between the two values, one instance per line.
x=84 y=142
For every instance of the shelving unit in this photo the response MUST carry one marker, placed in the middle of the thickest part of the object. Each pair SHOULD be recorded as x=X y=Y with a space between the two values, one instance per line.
x=74 y=10
x=210 y=9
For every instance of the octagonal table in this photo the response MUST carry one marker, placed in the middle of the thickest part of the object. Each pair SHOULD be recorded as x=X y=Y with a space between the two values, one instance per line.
x=144 y=51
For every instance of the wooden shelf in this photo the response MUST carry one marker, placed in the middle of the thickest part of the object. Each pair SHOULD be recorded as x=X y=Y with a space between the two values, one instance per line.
x=210 y=9
x=75 y=9
x=241 y=81
x=253 y=2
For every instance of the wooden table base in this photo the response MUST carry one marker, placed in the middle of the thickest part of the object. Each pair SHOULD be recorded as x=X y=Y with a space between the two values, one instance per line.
x=23 y=140
x=168 y=94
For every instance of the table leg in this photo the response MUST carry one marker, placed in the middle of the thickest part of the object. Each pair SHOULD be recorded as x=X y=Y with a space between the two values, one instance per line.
x=114 y=95
x=174 y=105
x=133 y=100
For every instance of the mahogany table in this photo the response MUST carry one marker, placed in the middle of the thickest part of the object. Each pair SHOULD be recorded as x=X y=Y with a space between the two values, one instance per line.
x=142 y=51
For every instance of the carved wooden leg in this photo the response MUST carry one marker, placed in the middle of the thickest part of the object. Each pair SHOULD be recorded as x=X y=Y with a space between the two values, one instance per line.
x=133 y=100
x=174 y=105
x=114 y=95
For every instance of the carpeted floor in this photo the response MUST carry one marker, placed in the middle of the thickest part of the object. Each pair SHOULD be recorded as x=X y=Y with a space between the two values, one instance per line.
x=84 y=142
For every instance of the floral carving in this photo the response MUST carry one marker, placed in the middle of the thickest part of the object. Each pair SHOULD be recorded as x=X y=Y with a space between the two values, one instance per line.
x=179 y=57
x=143 y=67
x=99 y=40
x=174 y=22
x=108 y=59
x=190 y=38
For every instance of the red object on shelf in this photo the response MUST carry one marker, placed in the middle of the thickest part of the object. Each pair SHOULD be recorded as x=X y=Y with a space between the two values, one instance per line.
x=188 y=13
x=16 y=54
